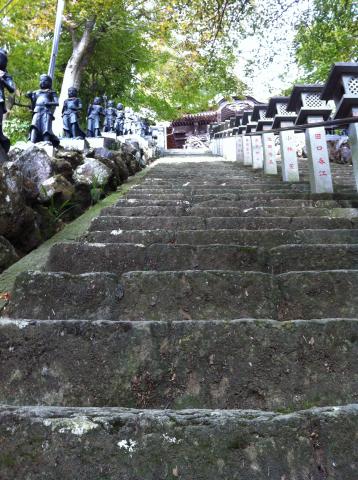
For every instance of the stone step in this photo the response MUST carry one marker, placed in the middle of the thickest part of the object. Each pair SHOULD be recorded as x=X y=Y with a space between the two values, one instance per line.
x=219 y=189
x=199 y=211
x=246 y=196
x=267 y=238
x=185 y=295
x=77 y=258
x=243 y=204
x=201 y=223
x=264 y=365
x=115 y=443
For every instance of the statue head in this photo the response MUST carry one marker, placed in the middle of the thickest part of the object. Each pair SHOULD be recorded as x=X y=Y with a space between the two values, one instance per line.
x=110 y=103
x=97 y=101
x=3 y=59
x=119 y=106
x=45 y=81
x=72 y=92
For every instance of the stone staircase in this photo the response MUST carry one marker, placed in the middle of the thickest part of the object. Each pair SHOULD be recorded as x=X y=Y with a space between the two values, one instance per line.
x=159 y=346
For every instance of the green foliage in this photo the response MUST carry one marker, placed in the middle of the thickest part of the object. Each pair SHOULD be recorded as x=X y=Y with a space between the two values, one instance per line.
x=169 y=56
x=16 y=129
x=96 y=191
x=326 y=35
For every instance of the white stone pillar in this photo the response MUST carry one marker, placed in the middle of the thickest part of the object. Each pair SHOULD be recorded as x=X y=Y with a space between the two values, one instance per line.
x=231 y=149
x=289 y=161
x=247 y=149
x=353 y=136
x=270 y=163
x=225 y=146
x=318 y=158
x=257 y=152
x=239 y=149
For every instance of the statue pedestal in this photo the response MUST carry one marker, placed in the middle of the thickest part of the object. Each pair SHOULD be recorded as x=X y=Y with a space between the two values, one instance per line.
x=79 y=145
x=112 y=135
x=101 y=142
x=46 y=146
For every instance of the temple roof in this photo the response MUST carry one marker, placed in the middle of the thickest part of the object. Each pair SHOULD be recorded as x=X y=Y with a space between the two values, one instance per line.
x=190 y=118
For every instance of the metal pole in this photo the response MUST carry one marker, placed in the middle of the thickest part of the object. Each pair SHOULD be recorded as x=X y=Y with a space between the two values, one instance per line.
x=56 y=37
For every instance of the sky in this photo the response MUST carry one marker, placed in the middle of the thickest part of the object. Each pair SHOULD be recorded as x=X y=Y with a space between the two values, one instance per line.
x=270 y=79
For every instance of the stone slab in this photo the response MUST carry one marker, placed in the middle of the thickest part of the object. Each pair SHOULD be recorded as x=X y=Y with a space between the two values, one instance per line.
x=269 y=238
x=185 y=295
x=200 y=223
x=80 y=145
x=100 y=142
x=108 y=444
x=237 y=364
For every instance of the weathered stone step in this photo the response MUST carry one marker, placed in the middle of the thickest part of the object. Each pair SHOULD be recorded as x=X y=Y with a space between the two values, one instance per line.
x=133 y=202
x=199 y=444
x=199 y=211
x=201 y=223
x=117 y=258
x=246 y=196
x=258 y=364
x=207 y=189
x=288 y=258
x=267 y=238
x=186 y=295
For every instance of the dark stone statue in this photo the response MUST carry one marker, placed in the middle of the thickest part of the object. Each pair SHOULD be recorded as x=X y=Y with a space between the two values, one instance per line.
x=110 y=117
x=43 y=102
x=70 y=114
x=94 y=113
x=6 y=82
x=119 y=125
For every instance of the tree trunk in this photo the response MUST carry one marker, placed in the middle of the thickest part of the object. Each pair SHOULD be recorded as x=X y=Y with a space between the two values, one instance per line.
x=75 y=65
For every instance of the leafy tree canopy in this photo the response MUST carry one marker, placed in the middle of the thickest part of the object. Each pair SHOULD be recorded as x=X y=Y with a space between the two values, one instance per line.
x=327 y=33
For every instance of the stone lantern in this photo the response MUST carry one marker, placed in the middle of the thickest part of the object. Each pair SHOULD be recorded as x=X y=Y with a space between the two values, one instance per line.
x=246 y=140
x=277 y=108
x=268 y=139
x=342 y=87
x=230 y=153
x=306 y=102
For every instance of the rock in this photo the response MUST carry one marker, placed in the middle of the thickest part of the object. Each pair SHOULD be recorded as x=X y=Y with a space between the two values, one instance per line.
x=92 y=172
x=63 y=167
x=346 y=153
x=56 y=185
x=35 y=165
x=75 y=158
x=14 y=214
x=17 y=149
x=100 y=153
x=8 y=255
x=3 y=156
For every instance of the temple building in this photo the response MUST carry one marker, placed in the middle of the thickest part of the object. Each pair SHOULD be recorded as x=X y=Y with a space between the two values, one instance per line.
x=194 y=127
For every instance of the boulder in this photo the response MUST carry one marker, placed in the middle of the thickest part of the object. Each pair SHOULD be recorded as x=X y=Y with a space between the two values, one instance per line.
x=92 y=172
x=14 y=214
x=35 y=165
x=63 y=167
x=75 y=158
x=3 y=156
x=8 y=255
x=118 y=156
x=56 y=185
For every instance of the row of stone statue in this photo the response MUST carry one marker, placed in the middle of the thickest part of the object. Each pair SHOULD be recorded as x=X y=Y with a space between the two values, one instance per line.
x=118 y=119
